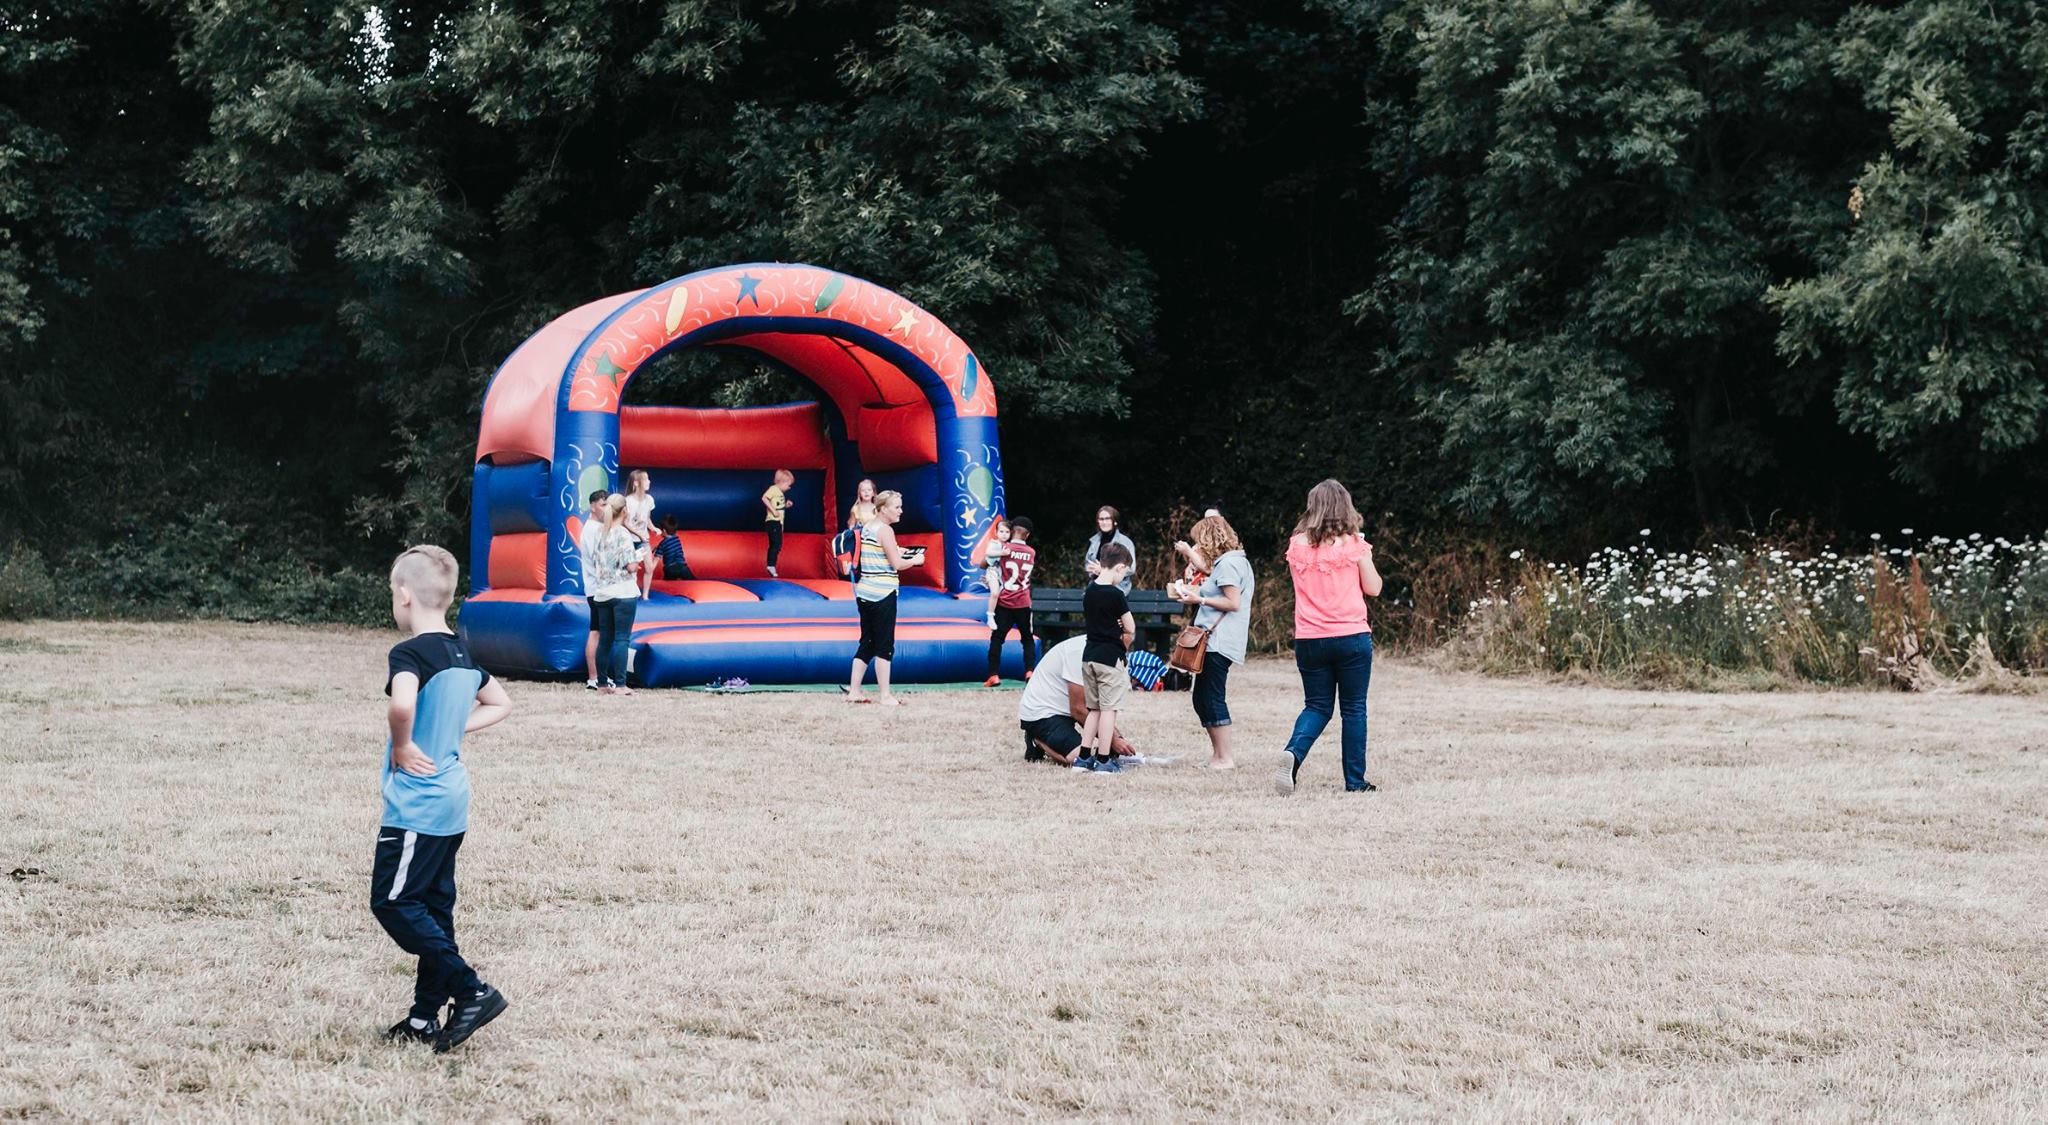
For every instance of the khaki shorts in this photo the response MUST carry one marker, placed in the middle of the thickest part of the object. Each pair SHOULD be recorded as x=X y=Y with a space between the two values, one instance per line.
x=1103 y=686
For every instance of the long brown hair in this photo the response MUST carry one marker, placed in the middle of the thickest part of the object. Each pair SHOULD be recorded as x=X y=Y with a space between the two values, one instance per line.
x=1330 y=515
x=1214 y=537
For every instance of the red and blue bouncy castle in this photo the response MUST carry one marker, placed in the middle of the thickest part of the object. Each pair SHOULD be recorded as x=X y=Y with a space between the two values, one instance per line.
x=901 y=400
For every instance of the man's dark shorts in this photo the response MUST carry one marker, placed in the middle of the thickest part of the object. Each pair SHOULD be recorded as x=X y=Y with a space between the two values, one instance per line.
x=1056 y=731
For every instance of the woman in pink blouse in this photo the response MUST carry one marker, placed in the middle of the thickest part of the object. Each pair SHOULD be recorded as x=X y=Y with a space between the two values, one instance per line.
x=1333 y=575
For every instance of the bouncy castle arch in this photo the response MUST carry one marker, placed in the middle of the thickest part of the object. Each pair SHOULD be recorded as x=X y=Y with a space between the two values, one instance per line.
x=902 y=399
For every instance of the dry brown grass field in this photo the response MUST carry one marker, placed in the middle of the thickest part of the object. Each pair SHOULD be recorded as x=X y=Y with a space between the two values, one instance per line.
x=1567 y=902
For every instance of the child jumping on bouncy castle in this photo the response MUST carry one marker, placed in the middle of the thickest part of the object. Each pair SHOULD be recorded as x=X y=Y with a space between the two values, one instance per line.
x=674 y=567
x=776 y=501
x=438 y=694
x=640 y=521
x=1013 y=601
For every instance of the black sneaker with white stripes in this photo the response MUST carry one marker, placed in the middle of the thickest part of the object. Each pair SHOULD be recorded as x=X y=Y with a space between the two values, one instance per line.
x=404 y=1032
x=469 y=1014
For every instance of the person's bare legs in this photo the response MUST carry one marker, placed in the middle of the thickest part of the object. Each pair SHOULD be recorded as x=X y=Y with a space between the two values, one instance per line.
x=1052 y=755
x=1219 y=749
x=1107 y=728
x=590 y=657
x=646 y=578
x=1088 y=733
x=882 y=695
x=853 y=692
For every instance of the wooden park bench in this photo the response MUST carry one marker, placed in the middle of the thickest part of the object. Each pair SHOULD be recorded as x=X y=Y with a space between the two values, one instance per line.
x=1056 y=615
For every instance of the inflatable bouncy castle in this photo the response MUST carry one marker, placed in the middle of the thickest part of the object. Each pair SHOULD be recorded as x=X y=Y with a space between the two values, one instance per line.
x=901 y=399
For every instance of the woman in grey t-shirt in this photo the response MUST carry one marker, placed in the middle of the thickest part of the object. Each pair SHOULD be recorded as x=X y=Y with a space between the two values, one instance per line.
x=1108 y=529
x=1224 y=603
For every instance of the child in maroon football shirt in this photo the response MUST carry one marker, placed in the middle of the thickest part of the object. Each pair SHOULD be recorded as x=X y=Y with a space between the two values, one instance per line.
x=1013 y=600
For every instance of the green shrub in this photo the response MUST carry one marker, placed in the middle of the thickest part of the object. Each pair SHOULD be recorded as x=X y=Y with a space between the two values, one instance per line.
x=207 y=563
x=26 y=588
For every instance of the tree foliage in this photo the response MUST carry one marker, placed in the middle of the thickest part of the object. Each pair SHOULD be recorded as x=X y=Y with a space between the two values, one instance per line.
x=1595 y=199
x=1557 y=264
x=1927 y=316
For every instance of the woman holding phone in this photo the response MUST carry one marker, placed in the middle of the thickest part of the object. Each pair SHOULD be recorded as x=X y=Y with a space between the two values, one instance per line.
x=875 y=585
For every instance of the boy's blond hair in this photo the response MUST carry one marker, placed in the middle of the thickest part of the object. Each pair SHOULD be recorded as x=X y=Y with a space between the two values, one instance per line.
x=429 y=572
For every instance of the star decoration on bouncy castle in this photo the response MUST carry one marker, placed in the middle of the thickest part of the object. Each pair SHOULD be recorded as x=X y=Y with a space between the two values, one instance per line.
x=748 y=283
x=606 y=369
x=905 y=323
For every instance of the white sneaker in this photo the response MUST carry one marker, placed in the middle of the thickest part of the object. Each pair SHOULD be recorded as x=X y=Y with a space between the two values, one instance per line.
x=1283 y=781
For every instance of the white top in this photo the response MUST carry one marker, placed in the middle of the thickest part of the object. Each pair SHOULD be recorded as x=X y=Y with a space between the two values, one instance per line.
x=586 y=544
x=608 y=569
x=640 y=513
x=1045 y=693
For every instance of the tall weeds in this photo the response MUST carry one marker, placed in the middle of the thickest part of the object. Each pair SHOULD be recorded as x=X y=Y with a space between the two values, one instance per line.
x=1908 y=616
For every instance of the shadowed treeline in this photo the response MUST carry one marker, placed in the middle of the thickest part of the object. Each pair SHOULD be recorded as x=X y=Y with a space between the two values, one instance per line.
x=1520 y=273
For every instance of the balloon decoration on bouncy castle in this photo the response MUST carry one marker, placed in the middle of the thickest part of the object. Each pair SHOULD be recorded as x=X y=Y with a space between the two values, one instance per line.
x=901 y=400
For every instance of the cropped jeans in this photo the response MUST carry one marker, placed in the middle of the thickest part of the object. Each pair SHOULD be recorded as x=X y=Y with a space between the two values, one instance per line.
x=1335 y=673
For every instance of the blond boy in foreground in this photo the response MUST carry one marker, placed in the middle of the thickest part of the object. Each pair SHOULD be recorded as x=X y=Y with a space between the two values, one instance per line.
x=438 y=694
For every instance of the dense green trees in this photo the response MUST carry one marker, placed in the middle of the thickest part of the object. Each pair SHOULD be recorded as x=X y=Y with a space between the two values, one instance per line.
x=1542 y=265
x=1627 y=254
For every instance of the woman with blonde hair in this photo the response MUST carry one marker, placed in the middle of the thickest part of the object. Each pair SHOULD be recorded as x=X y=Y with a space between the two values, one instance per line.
x=614 y=593
x=1333 y=575
x=1223 y=605
x=875 y=584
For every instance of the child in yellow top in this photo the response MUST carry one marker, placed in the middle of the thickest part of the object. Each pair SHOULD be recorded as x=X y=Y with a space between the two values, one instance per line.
x=776 y=500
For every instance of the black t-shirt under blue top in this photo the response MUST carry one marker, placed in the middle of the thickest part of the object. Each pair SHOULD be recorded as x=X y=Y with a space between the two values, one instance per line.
x=1102 y=609
x=437 y=805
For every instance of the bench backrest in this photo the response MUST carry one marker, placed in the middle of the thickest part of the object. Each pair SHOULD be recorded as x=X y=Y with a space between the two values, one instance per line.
x=1059 y=602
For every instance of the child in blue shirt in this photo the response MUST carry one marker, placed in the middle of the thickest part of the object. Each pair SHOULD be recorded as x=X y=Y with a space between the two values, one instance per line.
x=674 y=567
x=437 y=695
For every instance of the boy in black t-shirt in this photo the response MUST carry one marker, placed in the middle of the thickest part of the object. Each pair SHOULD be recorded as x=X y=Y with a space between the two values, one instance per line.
x=437 y=695
x=1106 y=614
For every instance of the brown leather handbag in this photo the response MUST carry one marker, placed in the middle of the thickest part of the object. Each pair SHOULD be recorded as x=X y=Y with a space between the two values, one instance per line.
x=1190 y=648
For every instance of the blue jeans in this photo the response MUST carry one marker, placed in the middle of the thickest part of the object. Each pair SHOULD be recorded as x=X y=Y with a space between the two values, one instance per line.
x=1335 y=673
x=614 y=637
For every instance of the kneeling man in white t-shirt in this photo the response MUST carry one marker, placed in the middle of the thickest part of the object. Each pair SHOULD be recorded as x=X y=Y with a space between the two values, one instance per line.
x=1053 y=708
